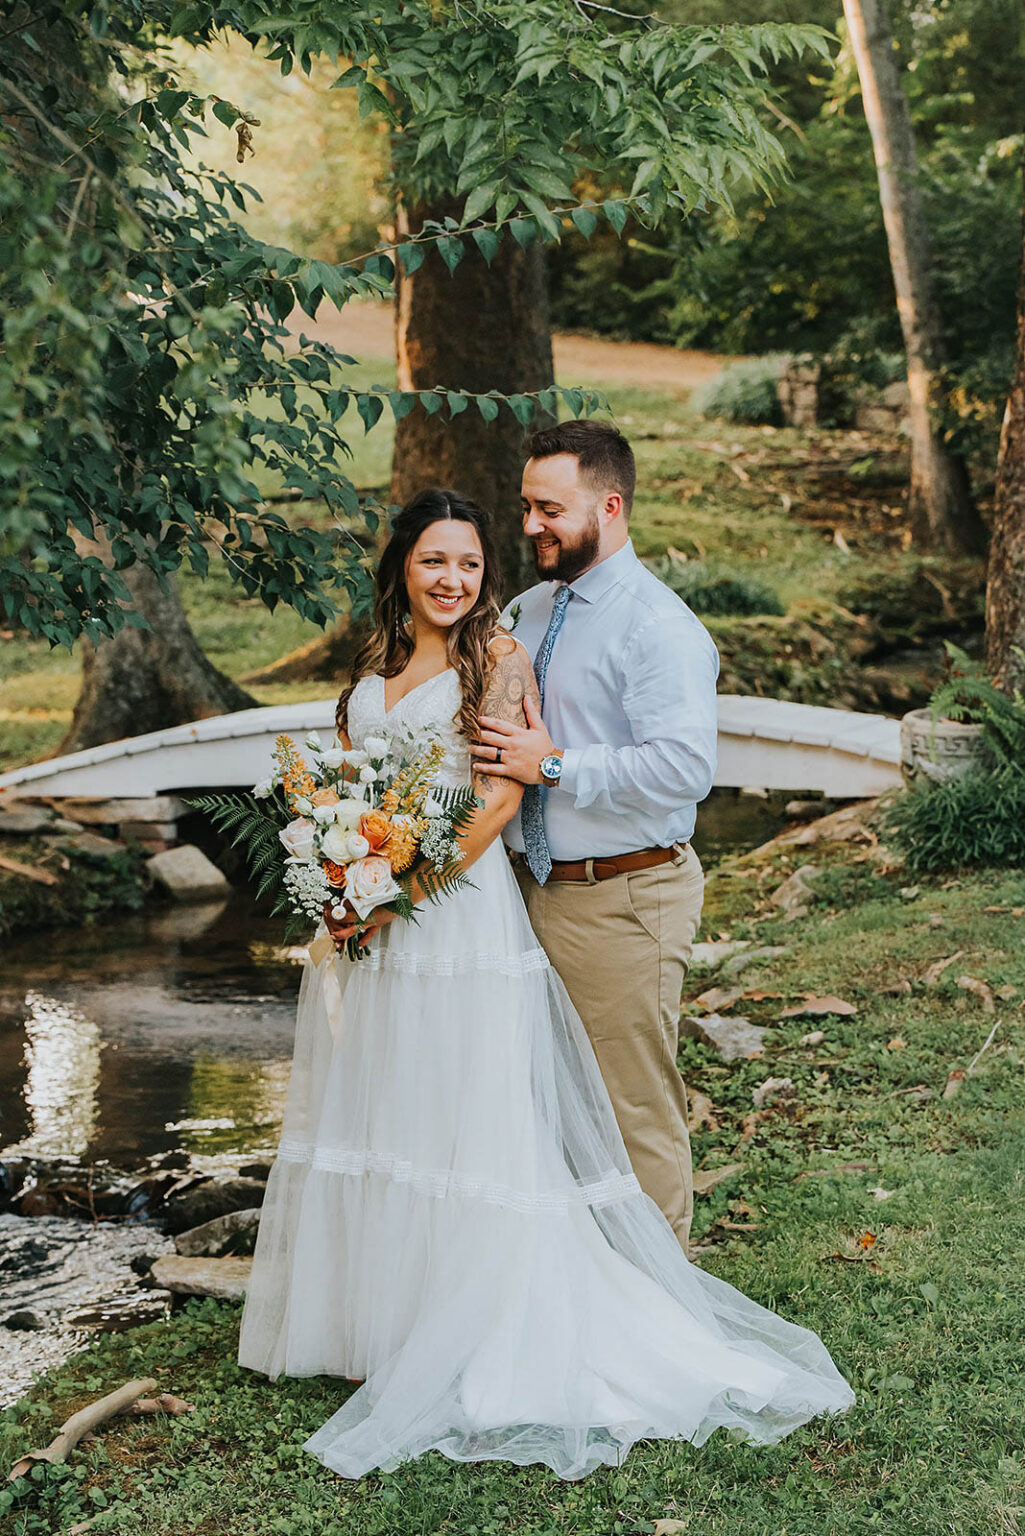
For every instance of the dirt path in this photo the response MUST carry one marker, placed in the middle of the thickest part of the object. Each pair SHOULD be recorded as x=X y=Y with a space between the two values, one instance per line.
x=364 y=330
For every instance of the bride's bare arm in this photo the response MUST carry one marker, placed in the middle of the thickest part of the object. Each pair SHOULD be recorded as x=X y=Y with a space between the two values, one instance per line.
x=512 y=680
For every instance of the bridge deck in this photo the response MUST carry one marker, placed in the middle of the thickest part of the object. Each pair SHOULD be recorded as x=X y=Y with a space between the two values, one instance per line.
x=766 y=742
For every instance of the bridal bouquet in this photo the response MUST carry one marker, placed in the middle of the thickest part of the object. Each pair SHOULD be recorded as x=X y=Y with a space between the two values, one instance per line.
x=350 y=829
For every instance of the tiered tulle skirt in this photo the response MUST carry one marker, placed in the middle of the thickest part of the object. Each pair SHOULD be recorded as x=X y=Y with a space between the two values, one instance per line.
x=452 y=1216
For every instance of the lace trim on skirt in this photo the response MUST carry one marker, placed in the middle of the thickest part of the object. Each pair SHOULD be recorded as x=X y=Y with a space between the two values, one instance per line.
x=413 y=963
x=444 y=1182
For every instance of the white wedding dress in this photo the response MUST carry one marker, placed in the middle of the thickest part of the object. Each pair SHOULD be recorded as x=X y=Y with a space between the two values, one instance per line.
x=453 y=1217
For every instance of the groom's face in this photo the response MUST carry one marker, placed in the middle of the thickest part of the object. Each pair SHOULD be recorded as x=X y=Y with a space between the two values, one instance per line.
x=560 y=517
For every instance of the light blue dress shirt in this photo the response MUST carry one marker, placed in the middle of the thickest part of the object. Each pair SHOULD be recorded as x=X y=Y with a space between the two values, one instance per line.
x=630 y=698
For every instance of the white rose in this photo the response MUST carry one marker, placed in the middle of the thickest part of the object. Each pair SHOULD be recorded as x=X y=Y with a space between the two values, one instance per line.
x=347 y=813
x=368 y=775
x=302 y=805
x=358 y=846
x=297 y=839
x=322 y=814
x=377 y=746
x=334 y=843
x=263 y=789
x=369 y=883
x=313 y=741
x=334 y=757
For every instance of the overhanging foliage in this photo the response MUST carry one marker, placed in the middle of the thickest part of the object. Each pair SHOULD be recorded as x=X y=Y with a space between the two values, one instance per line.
x=147 y=378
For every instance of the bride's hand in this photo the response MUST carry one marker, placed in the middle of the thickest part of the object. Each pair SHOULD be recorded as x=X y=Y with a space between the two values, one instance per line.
x=341 y=929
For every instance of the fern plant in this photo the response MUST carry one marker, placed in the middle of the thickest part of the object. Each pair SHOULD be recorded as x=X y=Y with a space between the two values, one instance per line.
x=255 y=827
x=968 y=695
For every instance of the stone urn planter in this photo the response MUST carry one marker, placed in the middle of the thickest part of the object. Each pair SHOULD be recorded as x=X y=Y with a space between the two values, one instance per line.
x=934 y=751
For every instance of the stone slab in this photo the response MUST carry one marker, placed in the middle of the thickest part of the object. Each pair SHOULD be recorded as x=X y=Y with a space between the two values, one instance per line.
x=108 y=812
x=235 y=1232
x=225 y=1279
x=25 y=823
x=187 y=874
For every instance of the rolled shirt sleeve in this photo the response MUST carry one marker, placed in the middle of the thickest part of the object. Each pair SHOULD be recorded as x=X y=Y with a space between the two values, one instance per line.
x=668 y=677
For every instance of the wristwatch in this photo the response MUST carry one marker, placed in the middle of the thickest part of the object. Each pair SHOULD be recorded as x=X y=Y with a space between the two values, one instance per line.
x=551 y=769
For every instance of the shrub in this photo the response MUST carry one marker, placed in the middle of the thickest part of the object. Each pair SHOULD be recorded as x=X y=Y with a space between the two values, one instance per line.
x=975 y=820
x=745 y=393
x=712 y=589
x=967 y=694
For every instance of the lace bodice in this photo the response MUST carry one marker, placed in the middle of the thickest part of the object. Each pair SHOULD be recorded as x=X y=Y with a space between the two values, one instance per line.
x=432 y=703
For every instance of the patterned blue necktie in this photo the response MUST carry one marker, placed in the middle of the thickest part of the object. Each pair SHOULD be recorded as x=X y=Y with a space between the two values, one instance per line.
x=539 y=859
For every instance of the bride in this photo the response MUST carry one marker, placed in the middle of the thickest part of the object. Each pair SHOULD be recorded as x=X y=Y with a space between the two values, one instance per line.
x=451 y=1218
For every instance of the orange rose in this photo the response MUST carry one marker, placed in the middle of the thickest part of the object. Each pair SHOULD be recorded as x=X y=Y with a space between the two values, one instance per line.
x=324 y=797
x=376 y=828
x=335 y=873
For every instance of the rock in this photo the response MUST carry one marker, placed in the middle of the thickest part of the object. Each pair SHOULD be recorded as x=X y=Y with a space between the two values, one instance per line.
x=256 y=1171
x=746 y=957
x=232 y=1233
x=187 y=874
x=25 y=1320
x=909 y=892
x=806 y=810
x=117 y=1314
x=754 y=792
x=771 y=1090
x=216 y=1197
x=796 y=892
x=180 y=923
x=731 y=1038
x=715 y=951
x=92 y=845
x=112 y=812
x=25 y=823
x=815 y=1037
x=225 y=1279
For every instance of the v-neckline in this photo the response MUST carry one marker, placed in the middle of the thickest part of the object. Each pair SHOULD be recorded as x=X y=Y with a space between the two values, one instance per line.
x=409 y=692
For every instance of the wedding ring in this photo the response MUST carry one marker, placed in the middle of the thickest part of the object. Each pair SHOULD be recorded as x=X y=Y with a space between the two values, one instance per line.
x=498 y=754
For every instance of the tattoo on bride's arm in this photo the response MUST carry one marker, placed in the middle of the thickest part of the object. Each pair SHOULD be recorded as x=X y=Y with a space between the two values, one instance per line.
x=511 y=681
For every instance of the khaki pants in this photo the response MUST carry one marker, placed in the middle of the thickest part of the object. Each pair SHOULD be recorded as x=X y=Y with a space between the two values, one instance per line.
x=622 y=947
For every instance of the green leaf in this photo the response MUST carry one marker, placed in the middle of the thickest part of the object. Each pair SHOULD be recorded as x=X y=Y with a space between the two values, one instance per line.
x=487 y=406
x=456 y=402
x=479 y=201
x=522 y=407
x=487 y=242
x=586 y=220
x=430 y=400
x=523 y=231
x=616 y=215
x=401 y=403
x=411 y=254
x=451 y=251
x=370 y=408
x=225 y=113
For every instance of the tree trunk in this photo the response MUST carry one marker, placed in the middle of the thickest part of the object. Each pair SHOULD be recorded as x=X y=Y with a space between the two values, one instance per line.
x=478 y=328
x=1005 y=590
x=943 y=513
x=144 y=680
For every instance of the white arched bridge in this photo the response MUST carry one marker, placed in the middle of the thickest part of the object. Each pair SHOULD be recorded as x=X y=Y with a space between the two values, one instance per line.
x=769 y=743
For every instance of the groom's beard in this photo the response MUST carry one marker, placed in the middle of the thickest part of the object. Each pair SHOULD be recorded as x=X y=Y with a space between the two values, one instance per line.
x=569 y=560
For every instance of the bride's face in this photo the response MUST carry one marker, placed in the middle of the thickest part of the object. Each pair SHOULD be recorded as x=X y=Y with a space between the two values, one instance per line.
x=444 y=571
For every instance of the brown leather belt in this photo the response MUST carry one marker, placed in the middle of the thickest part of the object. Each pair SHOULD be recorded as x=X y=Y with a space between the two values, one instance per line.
x=590 y=871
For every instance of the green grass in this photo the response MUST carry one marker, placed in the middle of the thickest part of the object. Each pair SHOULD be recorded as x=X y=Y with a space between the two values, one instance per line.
x=926 y=1322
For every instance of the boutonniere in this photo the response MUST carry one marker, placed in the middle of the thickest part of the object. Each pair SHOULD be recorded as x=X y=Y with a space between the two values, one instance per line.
x=515 y=614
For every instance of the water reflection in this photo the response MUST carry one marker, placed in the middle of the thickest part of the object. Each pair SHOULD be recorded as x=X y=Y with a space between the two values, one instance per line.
x=62 y=1074
x=146 y=1036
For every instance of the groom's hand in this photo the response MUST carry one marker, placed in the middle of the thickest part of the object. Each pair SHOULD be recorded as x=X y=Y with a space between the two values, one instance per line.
x=510 y=751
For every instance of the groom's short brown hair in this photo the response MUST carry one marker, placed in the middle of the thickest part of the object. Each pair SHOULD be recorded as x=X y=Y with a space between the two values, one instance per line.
x=603 y=453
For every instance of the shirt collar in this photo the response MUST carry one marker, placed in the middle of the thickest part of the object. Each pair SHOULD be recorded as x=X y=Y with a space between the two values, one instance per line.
x=601 y=578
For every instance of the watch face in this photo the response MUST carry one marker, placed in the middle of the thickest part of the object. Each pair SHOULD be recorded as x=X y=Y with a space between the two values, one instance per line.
x=551 y=767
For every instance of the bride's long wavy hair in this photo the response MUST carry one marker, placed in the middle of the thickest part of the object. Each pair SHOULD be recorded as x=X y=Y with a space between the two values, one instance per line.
x=391 y=645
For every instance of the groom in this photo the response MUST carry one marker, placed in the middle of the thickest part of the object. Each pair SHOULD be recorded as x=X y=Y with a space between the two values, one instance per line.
x=614 y=764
